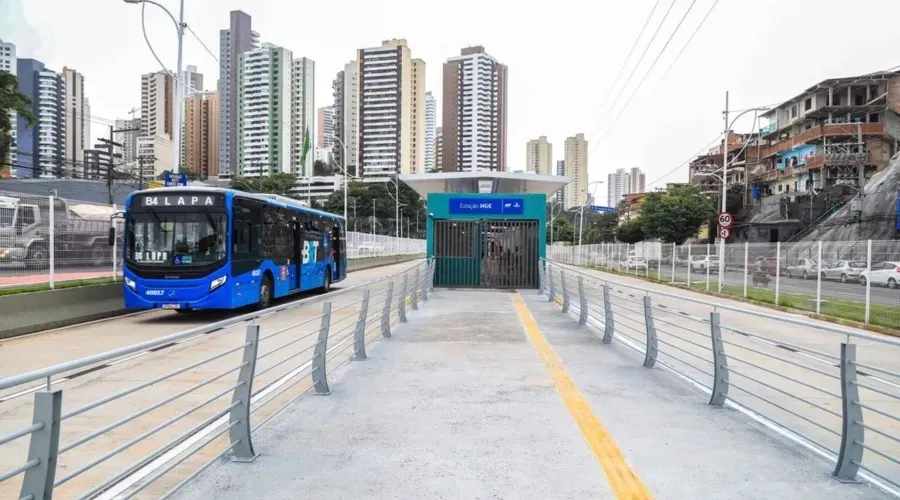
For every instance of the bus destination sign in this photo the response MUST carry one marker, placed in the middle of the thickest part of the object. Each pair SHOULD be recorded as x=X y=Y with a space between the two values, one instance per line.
x=181 y=200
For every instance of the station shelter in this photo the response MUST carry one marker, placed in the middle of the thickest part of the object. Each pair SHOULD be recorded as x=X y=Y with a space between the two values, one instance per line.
x=486 y=229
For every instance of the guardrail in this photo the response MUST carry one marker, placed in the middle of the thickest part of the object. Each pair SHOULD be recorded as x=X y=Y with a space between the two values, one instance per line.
x=835 y=390
x=175 y=415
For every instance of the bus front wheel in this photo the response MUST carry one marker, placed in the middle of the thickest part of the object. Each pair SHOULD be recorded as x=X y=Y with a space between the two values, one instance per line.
x=265 y=293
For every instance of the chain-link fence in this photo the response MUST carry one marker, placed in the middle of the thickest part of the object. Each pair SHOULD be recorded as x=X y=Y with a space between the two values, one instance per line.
x=855 y=280
x=46 y=241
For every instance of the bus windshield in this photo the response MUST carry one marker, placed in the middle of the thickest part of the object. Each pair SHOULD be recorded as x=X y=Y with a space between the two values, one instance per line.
x=175 y=239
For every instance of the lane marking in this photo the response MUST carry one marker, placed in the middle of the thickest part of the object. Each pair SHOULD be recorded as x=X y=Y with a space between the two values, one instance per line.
x=622 y=479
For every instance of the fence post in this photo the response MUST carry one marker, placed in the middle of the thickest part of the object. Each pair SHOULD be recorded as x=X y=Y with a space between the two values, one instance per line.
x=414 y=293
x=674 y=258
x=552 y=292
x=690 y=266
x=818 y=278
x=777 y=271
x=44 y=445
x=320 y=380
x=720 y=363
x=609 y=324
x=52 y=249
x=868 y=279
x=565 y=291
x=240 y=434
x=401 y=303
x=746 y=265
x=386 y=312
x=852 y=432
x=582 y=303
x=424 y=282
x=359 y=335
x=652 y=351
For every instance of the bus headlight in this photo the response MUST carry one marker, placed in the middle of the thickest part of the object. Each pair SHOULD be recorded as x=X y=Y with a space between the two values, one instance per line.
x=216 y=283
x=130 y=283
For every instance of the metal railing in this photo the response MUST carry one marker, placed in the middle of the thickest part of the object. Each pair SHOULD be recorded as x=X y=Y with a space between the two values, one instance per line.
x=835 y=390
x=190 y=407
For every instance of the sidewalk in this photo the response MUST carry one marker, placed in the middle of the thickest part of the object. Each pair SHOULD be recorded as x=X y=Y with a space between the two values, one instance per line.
x=486 y=394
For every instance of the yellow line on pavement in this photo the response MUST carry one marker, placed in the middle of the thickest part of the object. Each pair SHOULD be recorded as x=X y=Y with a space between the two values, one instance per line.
x=623 y=481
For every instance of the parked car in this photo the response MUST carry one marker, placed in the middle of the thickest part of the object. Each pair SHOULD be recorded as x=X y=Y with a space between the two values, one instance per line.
x=803 y=268
x=636 y=263
x=701 y=263
x=844 y=270
x=882 y=274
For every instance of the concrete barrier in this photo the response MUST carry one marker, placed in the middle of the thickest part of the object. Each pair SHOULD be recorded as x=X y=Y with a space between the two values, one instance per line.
x=24 y=313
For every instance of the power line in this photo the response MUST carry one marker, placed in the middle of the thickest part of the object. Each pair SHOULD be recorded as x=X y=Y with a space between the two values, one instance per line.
x=685 y=162
x=691 y=38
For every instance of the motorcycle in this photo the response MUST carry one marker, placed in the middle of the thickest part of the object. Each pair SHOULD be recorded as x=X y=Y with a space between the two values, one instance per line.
x=761 y=278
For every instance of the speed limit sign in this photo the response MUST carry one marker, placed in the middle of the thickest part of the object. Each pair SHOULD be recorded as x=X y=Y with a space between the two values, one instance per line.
x=725 y=220
x=724 y=233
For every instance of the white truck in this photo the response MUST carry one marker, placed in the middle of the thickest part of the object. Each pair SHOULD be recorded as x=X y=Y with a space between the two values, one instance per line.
x=80 y=231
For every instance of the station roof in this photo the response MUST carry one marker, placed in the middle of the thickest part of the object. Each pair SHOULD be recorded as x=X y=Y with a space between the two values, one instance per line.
x=486 y=182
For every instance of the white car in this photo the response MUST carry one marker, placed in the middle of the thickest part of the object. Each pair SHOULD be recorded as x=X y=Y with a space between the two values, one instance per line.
x=882 y=274
x=701 y=263
x=636 y=263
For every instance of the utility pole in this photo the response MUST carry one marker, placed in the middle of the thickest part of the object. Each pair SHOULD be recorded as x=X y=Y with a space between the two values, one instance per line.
x=724 y=195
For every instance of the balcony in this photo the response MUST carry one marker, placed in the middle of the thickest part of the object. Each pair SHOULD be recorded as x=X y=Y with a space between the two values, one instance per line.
x=820 y=159
x=820 y=132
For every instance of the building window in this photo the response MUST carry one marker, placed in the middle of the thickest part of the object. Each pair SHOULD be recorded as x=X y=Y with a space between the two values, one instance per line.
x=807 y=104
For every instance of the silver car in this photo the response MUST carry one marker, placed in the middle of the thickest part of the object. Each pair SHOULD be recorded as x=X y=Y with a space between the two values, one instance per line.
x=803 y=268
x=844 y=270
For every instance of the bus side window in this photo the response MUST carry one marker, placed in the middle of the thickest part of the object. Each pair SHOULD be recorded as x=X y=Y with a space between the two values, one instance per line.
x=243 y=244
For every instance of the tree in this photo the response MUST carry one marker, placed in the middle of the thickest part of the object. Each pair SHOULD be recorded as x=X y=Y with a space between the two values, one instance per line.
x=675 y=216
x=379 y=199
x=562 y=230
x=603 y=229
x=278 y=183
x=11 y=100
x=321 y=168
x=631 y=231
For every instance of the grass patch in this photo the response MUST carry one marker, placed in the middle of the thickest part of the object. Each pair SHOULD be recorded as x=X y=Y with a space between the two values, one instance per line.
x=43 y=287
x=853 y=310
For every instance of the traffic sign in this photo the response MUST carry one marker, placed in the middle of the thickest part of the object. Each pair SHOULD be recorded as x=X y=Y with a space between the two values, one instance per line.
x=600 y=209
x=724 y=219
x=724 y=233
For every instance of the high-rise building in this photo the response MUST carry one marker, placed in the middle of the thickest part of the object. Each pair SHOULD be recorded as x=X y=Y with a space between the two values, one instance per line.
x=386 y=110
x=539 y=156
x=154 y=154
x=576 y=150
x=345 y=90
x=8 y=64
x=474 y=112
x=417 y=117
x=430 y=126
x=618 y=186
x=438 y=147
x=200 y=150
x=233 y=42
x=325 y=126
x=157 y=104
x=77 y=122
x=303 y=116
x=42 y=148
x=128 y=140
x=193 y=79
x=560 y=196
x=264 y=98
x=638 y=181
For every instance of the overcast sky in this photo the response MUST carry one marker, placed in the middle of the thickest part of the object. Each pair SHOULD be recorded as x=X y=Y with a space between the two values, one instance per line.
x=562 y=58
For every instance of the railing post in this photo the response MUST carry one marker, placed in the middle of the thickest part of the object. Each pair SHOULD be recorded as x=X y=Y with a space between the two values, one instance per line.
x=852 y=433
x=320 y=380
x=414 y=294
x=720 y=363
x=565 y=291
x=609 y=323
x=386 y=312
x=240 y=433
x=431 y=272
x=401 y=303
x=542 y=270
x=652 y=351
x=424 y=282
x=582 y=303
x=551 y=294
x=44 y=445
x=359 y=335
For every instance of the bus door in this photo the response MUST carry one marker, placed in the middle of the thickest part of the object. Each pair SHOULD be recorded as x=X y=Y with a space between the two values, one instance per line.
x=337 y=245
x=297 y=261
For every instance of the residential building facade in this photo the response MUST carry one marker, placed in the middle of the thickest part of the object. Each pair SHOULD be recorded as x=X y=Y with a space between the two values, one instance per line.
x=539 y=156
x=154 y=156
x=638 y=181
x=128 y=139
x=325 y=126
x=474 y=112
x=8 y=64
x=157 y=104
x=417 y=117
x=200 y=150
x=42 y=148
x=303 y=116
x=234 y=41
x=345 y=90
x=618 y=185
x=438 y=147
x=78 y=131
x=264 y=98
x=576 y=164
x=560 y=196
x=430 y=130
x=193 y=79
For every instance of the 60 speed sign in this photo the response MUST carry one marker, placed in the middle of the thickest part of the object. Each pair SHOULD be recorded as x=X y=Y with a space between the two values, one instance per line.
x=724 y=219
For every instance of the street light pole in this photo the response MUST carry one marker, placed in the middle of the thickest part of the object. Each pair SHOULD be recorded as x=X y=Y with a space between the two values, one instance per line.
x=344 y=170
x=724 y=194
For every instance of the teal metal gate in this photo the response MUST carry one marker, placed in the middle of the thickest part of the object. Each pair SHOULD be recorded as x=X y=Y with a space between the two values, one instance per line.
x=486 y=253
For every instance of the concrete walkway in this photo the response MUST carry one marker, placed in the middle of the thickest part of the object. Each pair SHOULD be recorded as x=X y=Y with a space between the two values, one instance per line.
x=487 y=394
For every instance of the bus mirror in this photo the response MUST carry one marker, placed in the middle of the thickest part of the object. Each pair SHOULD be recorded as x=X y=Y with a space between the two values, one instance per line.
x=112 y=236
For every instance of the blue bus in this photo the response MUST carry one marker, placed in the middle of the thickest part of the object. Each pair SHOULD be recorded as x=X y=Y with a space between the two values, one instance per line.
x=207 y=248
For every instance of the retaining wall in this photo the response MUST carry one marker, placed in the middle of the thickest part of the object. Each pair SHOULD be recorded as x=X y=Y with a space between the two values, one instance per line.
x=24 y=313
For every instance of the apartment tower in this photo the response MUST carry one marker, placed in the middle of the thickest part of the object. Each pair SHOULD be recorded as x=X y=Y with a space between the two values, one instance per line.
x=325 y=126
x=438 y=148
x=539 y=156
x=560 y=196
x=157 y=104
x=474 y=112
x=638 y=181
x=576 y=151
x=618 y=185
x=77 y=122
x=303 y=116
x=8 y=64
x=264 y=98
x=200 y=153
x=42 y=148
x=430 y=126
x=193 y=79
x=233 y=42
x=345 y=90
x=417 y=117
